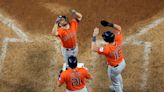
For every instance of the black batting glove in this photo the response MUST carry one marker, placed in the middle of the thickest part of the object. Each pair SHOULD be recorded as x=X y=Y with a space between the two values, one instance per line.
x=60 y=74
x=106 y=23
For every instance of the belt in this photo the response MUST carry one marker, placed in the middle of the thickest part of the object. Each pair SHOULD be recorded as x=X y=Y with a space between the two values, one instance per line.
x=116 y=65
x=68 y=49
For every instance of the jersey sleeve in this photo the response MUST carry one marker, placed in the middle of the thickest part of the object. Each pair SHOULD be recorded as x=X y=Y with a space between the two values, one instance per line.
x=87 y=75
x=74 y=24
x=119 y=38
x=59 y=32
x=102 y=50
x=62 y=78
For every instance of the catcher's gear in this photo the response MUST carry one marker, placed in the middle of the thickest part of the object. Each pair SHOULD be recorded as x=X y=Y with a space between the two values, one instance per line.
x=106 y=23
x=72 y=62
x=108 y=36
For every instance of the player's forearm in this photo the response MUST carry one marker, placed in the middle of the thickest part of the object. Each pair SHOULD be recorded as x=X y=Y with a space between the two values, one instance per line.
x=94 y=45
x=59 y=84
x=54 y=30
x=114 y=26
x=117 y=27
x=76 y=15
x=79 y=15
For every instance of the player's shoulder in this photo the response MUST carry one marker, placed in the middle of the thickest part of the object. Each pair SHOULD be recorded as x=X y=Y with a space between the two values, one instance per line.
x=119 y=37
x=61 y=31
x=65 y=73
x=74 y=21
x=83 y=69
x=103 y=48
x=107 y=48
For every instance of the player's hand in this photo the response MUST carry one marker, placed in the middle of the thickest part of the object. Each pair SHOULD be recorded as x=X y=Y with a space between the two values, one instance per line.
x=96 y=31
x=73 y=11
x=58 y=19
x=104 y=23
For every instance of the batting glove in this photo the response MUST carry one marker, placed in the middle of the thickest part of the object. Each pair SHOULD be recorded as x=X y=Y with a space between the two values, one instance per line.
x=58 y=19
x=106 y=23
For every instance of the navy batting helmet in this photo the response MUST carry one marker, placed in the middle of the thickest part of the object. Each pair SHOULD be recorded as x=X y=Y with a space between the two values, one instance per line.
x=72 y=62
x=108 y=36
x=60 y=18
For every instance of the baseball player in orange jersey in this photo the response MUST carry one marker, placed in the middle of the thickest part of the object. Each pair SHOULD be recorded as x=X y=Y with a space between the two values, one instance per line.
x=113 y=53
x=67 y=32
x=74 y=77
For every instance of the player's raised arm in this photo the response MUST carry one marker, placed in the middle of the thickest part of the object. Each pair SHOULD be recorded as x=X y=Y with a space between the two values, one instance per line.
x=94 y=46
x=117 y=27
x=60 y=79
x=109 y=24
x=55 y=27
x=78 y=16
x=54 y=30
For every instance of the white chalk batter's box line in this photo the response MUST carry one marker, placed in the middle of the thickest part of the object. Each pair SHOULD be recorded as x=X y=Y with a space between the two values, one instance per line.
x=22 y=37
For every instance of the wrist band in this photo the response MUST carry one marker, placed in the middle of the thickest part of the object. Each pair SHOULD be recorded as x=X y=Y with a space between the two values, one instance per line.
x=94 y=39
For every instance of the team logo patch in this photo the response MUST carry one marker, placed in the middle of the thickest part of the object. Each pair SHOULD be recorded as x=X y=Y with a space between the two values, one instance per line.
x=101 y=49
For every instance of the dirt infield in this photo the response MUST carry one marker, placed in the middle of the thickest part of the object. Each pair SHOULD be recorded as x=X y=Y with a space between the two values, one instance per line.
x=37 y=19
x=34 y=66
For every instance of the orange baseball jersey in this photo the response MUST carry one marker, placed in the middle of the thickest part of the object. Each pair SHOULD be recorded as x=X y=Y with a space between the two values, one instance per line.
x=69 y=36
x=114 y=52
x=74 y=79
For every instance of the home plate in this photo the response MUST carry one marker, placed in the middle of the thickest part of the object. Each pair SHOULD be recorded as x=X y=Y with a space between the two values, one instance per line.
x=79 y=65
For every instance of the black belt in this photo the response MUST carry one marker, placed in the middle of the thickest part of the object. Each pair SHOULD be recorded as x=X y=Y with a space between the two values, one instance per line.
x=115 y=66
x=68 y=49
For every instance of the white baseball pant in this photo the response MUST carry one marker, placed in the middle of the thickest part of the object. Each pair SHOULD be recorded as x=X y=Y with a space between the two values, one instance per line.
x=114 y=73
x=66 y=52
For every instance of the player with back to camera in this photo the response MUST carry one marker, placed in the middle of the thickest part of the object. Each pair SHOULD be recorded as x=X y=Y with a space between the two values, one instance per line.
x=74 y=77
